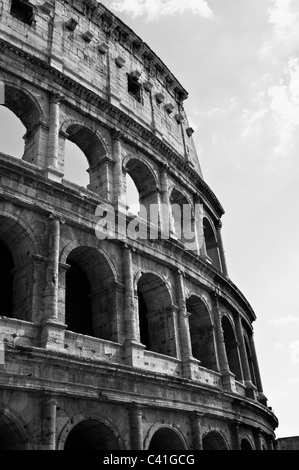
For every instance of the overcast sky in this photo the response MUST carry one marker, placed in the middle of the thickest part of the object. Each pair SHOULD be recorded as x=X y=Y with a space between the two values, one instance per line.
x=239 y=61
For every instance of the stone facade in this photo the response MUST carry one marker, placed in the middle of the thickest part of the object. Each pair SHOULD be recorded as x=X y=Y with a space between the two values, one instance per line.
x=287 y=443
x=115 y=343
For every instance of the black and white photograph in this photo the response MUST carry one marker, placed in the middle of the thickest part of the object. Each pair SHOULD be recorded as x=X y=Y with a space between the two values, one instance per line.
x=149 y=183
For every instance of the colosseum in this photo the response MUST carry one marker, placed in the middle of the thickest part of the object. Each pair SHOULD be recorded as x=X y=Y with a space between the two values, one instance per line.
x=113 y=342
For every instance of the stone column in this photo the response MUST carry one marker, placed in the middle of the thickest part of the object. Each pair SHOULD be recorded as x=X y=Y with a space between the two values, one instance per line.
x=133 y=348
x=221 y=249
x=52 y=170
x=186 y=348
x=243 y=355
x=49 y=408
x=167 y=218
x=227 y=376
x=199 y=233
x=136 y=427
x=52 y=333
x=270 y=442
x=119 y=196
x=258 y=440
x=236 y=445
x=259 y=385
x=196 y=430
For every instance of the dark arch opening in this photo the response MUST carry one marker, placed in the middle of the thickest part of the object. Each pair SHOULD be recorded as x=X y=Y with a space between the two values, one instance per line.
x=90 y=297
x=245 y=445
x=182 y=217
x=166 y=439
x=211 y=243
x=213 y=441
x=6 y=280
x=91 y=434
x=143 y=321
x=16 y=270
x=11 y=437
x=155 y=315
x=231 y=348
x=201 y=333
x=250 y=361
x=78 y=311
x=145 y=185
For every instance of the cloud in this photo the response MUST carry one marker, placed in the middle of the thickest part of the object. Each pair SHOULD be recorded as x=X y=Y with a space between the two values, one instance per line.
x=283 y=18
x=285 y=320
x=294 y=346
x=154 y=9
x=284 y=102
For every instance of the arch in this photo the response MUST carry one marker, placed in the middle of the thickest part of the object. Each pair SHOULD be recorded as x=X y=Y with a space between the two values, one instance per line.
x=182 y=214
x=12 y=435
x=89 y=430
x=90 y=294
x=11 y=126
x=156 y=324
x=22 y=103
x=231 y=347
x=164 y=437
x=211 y=242
x=16 y=272
x=145 y=181
x=246 y=443
x=70 y=246
x=132 y=196
x=26 y=108
x=249 y=358
x=86 y=138
x=201 y=332
x=214 y=440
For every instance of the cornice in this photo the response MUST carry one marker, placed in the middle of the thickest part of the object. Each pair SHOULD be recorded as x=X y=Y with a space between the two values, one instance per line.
x=119 y=116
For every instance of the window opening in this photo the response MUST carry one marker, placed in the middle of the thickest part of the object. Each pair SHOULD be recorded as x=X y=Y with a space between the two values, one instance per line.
x=22 y=10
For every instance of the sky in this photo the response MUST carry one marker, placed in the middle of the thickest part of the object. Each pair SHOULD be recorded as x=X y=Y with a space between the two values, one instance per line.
x=239 y=61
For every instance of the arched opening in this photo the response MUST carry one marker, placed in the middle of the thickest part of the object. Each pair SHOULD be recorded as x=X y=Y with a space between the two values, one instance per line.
x=142 y=181
x=84 y=156
x=90 y=297
x=78 y=310
x=132 y=196
x=213 y=441
x=250 y=361
x=11 y=437
x=91 y=434
x=16 y=270
x=155 y=315
x=6 y=280
x=245 y=445
x=201 y=333
x=75 y=165
x=211 y=243
x=166 y=439
x=11 y=133
x=231 y=348
x=182 y=217
x=23 y=106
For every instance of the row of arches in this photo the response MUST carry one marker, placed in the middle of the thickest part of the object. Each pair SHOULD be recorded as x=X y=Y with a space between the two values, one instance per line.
x=100 y=435
x=90 y=302
x=21 y=116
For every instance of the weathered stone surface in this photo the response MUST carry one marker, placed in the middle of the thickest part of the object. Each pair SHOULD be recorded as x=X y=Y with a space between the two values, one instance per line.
x=114 y=343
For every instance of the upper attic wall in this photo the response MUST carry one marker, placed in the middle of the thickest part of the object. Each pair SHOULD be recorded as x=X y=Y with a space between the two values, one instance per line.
x=86 y=42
